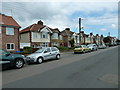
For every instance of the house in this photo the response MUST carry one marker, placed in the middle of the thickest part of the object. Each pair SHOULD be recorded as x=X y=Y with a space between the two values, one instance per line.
x=89 y=38
x=56 y=37
x=98 y=40
x=9 y=33
x=35 y=35
x=67 y=36
x=112 y=40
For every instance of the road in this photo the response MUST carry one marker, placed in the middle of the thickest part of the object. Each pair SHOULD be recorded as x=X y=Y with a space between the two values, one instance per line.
x=98 y=69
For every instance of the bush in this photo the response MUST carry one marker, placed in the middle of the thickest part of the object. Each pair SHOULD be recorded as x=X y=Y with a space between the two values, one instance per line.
x=61 y=48
x=27 y=50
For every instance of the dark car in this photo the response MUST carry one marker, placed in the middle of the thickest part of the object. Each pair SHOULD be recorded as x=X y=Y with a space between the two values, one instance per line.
x=8 y=59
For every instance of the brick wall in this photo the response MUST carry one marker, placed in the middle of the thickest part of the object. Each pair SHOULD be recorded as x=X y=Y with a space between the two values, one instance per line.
x=10 y=38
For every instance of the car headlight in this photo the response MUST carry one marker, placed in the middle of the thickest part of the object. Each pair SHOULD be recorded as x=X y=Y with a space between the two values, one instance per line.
x=23 y=56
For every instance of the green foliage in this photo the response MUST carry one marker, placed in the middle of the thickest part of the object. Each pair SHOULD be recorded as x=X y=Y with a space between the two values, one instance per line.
x=63 y=49
x=27 y=50
x=106 y=39
x=72 y=42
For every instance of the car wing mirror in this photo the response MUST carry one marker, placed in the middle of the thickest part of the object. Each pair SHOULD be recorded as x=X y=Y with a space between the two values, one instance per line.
x=7 y=54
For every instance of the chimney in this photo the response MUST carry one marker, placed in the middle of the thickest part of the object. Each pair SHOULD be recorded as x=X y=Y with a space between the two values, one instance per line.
x=82 y=32
x=91 y=33
x=40 y=22
x=97 y=35
x=67 y=29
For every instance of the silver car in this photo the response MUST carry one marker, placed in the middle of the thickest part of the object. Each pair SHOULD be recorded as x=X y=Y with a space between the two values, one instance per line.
x=92 y=47
x=43 y=54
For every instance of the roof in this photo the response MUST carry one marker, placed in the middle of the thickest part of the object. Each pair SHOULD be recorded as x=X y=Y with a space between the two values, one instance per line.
x=54 y=30
x=8 y=20
x=33 y=27
x=67 y=32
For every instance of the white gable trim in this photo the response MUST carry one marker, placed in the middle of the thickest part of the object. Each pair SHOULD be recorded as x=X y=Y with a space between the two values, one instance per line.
x=47 y=30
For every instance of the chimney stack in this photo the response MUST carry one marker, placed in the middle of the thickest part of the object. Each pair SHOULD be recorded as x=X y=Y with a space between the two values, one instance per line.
x=40 y=22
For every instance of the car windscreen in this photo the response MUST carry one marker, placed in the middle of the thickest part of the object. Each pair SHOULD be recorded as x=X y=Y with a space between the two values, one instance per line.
x=40 y=51
x=78 y=47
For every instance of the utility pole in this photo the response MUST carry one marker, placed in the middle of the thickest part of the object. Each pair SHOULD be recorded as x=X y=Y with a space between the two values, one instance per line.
x=80 y=30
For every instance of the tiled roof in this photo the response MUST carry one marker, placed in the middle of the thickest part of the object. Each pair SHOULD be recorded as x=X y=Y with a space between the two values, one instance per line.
x=54 y=30
x=33 y=27
x=8 y=20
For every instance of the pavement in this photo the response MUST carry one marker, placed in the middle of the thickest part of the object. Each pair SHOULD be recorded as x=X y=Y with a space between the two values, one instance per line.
x=98 y=69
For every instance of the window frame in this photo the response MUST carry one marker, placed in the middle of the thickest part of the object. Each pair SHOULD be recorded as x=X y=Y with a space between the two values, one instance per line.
x=8 y=32
x=10 y=46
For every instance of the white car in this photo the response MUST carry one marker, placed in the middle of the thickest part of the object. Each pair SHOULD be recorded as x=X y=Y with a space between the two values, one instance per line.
x=43 y=54
x=92 y=47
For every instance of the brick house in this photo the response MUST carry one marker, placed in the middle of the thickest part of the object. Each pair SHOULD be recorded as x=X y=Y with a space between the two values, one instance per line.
x=35 y=35
x=67 y=35
x=56 y=37
x=9 y=33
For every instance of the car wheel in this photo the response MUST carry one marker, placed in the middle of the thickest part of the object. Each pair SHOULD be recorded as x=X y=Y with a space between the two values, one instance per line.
x=19 y=63
x=39 y=60
x=83 y=51
x=57 y=56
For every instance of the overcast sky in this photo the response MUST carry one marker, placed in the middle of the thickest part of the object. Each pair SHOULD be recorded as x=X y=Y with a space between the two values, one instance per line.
x=97 y=17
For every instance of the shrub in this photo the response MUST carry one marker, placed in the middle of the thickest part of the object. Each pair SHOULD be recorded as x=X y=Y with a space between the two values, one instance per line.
x=27 y=50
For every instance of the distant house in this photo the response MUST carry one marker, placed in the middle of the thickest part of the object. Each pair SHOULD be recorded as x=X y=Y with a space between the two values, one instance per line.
x=56 y=37
x=112 y=40
x=35 y=35
x=67 y=36
x=89 y=38
x=98 y=39
x=9 y=33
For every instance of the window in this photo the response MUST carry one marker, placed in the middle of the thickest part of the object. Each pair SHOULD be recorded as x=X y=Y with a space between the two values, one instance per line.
x=44 y=34
x=34 y=35
x=55 y=36
x=45 y=44
x=10 y=46
x=48 y=49
x=9 y=31
x=54 y=44
x=53 y=49
x=60 y=37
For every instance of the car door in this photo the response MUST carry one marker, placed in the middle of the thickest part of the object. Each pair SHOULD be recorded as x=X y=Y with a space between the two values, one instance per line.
x=53 y=52
x=6 y=57
x=47 y=54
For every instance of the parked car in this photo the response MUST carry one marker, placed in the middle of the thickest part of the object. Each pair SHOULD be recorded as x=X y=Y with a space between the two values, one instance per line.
x=92 y=47
x=81 y=49
x=102 y=46
x=8 y=59
x=43 y=54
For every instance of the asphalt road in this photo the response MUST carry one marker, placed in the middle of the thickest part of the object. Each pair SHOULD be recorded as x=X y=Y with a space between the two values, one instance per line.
x=98 y=69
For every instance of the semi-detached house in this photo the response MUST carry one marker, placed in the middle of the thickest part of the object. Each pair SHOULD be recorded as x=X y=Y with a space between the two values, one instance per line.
x=9 y=33
x=35 y=35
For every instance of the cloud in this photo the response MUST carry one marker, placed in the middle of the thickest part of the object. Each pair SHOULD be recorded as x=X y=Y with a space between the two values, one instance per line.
x=103 y=29
x=62 y=14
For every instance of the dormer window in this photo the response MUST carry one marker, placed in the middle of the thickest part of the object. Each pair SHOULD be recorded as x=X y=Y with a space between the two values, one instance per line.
x=44 y=34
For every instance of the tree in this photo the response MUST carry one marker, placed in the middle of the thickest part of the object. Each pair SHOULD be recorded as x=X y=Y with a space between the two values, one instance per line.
x=106 y=39
x=72 y=42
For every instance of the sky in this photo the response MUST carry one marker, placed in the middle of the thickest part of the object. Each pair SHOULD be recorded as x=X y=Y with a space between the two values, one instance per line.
x=98 y=17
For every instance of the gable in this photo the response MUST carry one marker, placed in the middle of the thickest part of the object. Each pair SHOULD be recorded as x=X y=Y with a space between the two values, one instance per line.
x=46 y=29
